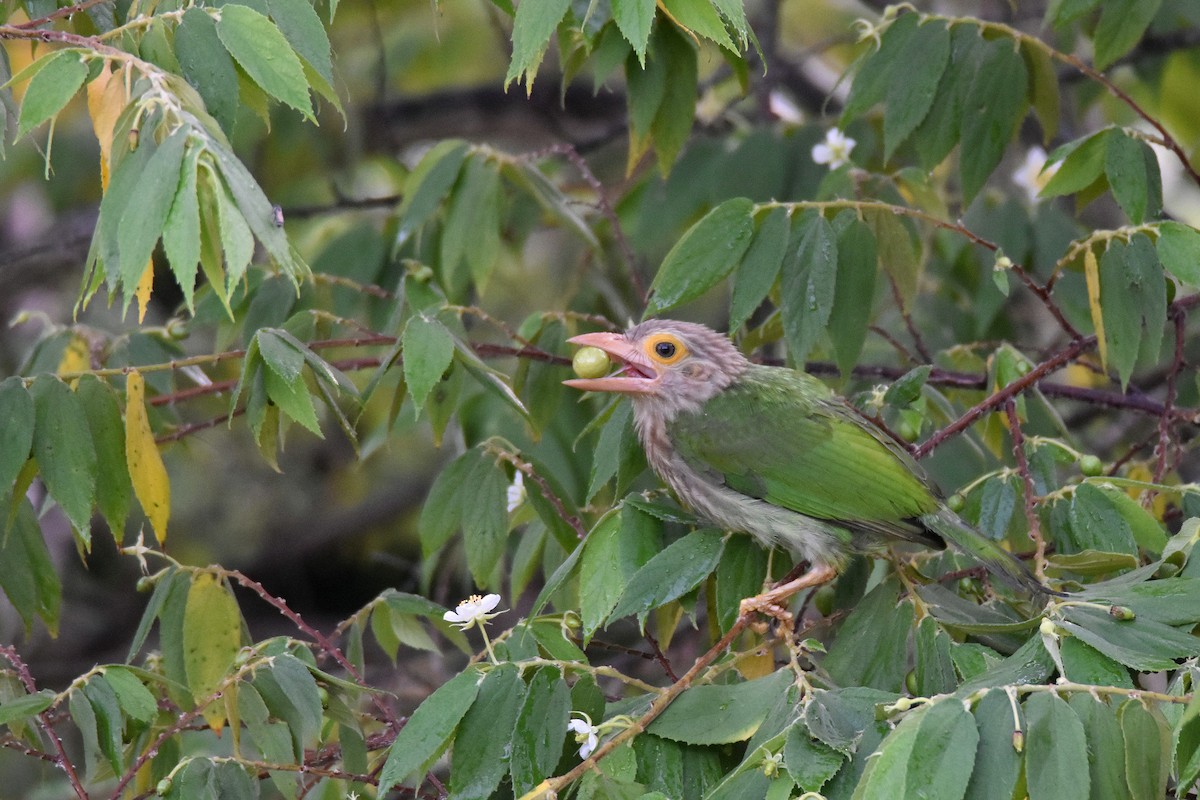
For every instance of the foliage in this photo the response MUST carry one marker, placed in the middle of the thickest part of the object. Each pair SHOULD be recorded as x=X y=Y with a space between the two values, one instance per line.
x=1035 y=350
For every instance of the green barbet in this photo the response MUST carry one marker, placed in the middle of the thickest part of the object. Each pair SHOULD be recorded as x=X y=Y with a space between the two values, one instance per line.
x=773 y=452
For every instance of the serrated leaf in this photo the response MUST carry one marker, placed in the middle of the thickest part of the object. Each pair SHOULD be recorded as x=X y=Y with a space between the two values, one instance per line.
x=484 y=519
x=147 y=472
x=870 y=647
x=634 y=18
x=1055 y=749
x=1143 y=644
x=212 y=636
x=760 y=266
x=613 y=552
x=279 y=354
x=720 y=714
x=1133 y=297
x=911 y=91
x=56 y=81
x=994 y=108
x=135 y=699
x=670 y=574
x=740 y=574
x=810 y=762
x=16 y=434
x=703 y=256
x=672 y=126
x=808 y=284
x=996 y=762
x=541 y=727
x=534 y=23
x=428 y=349
x=181 y=230
x=1080 y=163
x=27 y=573
x=428 y=184
x=25 y=706
x=1106 y=750
x=207 y=66
x=853 y=292
x=878 y=67
x=481 y=746
x=471 y=234
x=138 y=233
x=699 y=18
x=263 y=52
x=293 y=399
x=114 y=492
x=1147 y=750
x=1122 y=23
x=1043 y=86
x=1178 y=249
x=62 y=445
x=1128 y=172
x=300 y=25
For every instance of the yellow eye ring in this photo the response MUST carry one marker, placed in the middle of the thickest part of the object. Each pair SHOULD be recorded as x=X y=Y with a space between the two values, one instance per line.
x=665 y=348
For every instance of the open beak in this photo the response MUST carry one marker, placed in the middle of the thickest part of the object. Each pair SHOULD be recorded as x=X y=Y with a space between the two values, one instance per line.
x=635 y=376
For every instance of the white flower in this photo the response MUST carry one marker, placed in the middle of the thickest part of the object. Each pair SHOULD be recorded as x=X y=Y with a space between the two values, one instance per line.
x=474 y=610
x=586 y=734
x=835 y=150
x=784 y=109
x=1032 y=175
x=516 y=492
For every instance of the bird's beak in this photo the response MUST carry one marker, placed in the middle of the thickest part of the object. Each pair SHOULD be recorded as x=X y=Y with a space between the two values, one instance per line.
x=636 y=375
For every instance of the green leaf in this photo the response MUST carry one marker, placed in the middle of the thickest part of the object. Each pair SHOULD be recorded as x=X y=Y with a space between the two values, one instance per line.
x=1171 y=601
x=114 y=492
x=1132 y=293
x=808 y=283
x=537 y=742
x=1106 y=750
x=634 y=19
x=997 y=763
x=994 y=108
x=740 y=574
x=181 y=229
x=1132 y=172
x=720 y=714
x=1029 y=664
x=760 y=266
x=935 y=668
x=943 y=755
x=878 y=68
x=530 y=178
x=279 y=354
x=937 y=134
x=1043 y=85
x=485 y=735
x=84 y=717
x=56 y=81
x=441 y=514
x=428 y=349
x=472 y=230
x=429 y=729
x=293 y=399
x=428 y=184
x=533 y=25
x=613 y=552
x=25 y=706
x=1187 y=746
x=703 y=256
x=27 y=574
x=1147 y=750
x=810 y=762
x=671 y=573
x=109 y=719
x=291 y=694
x=484 y=519
x=672 y=126
x=853 y=292
x=701 y=19
x=135 y=699
x=207 y=66
x=870 y=649
x=885 y=775
x=911 y=91
x=907 y=388
x=1178 y=249
x=300 y=25
x=1122 y=23
x=261 y=50
x=1096 y=524
x=1055 y=749
x=1085 y=664
x=1143 y=644
x=1080 y=164
x=138 y=233
x=16 y=434
x=62 y=445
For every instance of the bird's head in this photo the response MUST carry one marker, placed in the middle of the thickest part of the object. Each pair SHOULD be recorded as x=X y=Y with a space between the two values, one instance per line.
x=681 y=364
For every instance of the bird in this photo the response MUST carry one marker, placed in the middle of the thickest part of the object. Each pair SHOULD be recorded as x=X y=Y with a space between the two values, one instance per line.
x=775 y=453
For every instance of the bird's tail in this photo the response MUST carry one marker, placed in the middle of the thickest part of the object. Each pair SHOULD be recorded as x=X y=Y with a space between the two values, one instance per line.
x=999 y=561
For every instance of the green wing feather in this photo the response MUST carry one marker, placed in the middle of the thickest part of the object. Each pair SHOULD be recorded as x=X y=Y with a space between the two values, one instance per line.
x=781 y=436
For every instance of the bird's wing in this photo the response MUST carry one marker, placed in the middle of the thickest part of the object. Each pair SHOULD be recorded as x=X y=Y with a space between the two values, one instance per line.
x=779 y=435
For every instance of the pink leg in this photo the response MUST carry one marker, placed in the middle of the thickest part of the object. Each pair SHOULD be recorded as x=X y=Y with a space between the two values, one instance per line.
x=772 y=602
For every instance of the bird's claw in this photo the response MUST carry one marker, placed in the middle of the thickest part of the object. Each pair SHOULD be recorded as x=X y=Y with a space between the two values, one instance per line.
x=766 y=605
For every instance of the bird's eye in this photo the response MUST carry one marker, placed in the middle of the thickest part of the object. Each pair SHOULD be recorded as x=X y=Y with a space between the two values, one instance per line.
x=665 y=348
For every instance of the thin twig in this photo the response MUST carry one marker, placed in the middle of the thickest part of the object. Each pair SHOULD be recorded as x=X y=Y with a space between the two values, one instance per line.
x=526 y=469
x=913 y=331
x=1166 y=420
x=659 y=656
x=47 y=723
x=1030 y=496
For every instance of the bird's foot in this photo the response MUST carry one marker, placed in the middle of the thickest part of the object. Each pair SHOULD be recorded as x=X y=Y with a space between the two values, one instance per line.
x=773 y=603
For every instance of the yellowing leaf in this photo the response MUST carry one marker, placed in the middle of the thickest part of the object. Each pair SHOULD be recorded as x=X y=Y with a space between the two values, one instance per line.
x=1091 y=271
x=106 y=97
x=146 y=469
x=76 y=356
x=145 y=285
x=212 y=636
